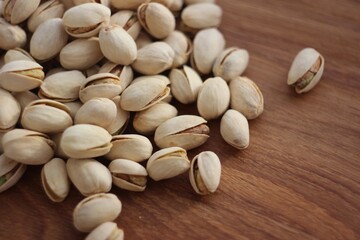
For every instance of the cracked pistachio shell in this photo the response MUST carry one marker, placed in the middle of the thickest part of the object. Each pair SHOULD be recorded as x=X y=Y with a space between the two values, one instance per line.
x=17 y=11
x=81 y=54
x=130 y=146
x=208 y=44
x=231 y=63
x=48 y=39
x=182 y=47
x=74 y=107
x=86 y=20
x=146 y=122
x=63 y=86
x=101 y=85
x=128 y=4
x=121 y=120
x=168 y=163
x=95 y=210
x=154 y=58
x=103 y=2
x=214 y=98
x=20 y=76
x=205 y=173
x=246 y=97
x=85 y=141
x=128 y=21
x=10 y=111
x=117 y=45
x=144 y=94
x=12 y=36
x=17 y=54
x=46 y=116
x=28 y=147
x=47 y=10
x=189 y=2
x=125 y=73
x=185 y=84
x=107 y=230
x=97 y=111
x=306 y=70
x=234 y=129
x=156 y=19
x=128 y=175
x=25 y=98
x=10 y=172
x=186 y=131
x=55 y=180
x=202 y=15
x=89 y=176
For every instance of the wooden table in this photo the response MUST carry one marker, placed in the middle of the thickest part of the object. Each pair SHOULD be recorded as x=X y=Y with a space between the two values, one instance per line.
x=300 y=177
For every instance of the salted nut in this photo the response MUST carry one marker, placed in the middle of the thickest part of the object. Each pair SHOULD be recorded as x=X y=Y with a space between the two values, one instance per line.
x=202 y=15
x=10 y=172
x=182 y=46
x=107 y=230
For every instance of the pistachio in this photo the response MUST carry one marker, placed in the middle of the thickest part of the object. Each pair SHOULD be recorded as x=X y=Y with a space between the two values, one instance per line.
x=128 y=21
x=202 y=15
x=12 y=36
x=9 y=112
x=74 y=107
x=172 y=5
x=182 y=47
x=28 y=147
x=55 y=180
x=234 y=129
x=25 y=98
x=17 y=11
x=125 y=73
x=246 y=97
x=214 y=98
x=103 y=2
x=128 y=4
x=128 y=175
x=306 y=70
x=186 y=131
x=95 y=210
x=205 y=173
x=107 y=230
x=121 y=120
x=89 y=176
x=17 y=54
x=10 y=172
x=168 y=163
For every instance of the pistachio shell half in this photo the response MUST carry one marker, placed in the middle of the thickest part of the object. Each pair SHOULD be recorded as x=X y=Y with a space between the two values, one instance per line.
x=10 y=172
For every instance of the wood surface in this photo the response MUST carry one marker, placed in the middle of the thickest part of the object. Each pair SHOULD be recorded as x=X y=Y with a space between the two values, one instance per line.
x=300 y=177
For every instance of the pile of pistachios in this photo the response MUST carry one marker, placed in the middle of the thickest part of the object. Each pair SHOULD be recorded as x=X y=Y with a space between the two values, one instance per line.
x=73 y=72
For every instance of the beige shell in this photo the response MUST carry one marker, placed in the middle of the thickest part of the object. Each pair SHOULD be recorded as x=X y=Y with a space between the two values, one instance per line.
x=89 y=176
x=128 y=21
x=17 y=54
x=10 y=111
x=168 y=163
x=74 y=107
x=121 y=120
x=107 y=230
x=186 y=131
x=128 y=175
x=128 y=4
x=182 y=46
x=125 y=73
x=85 y=141
x=202 y=15
x=10 y=172
x=95 y=210
x=16 y=11
x=234 y=129
x=25 y=98
x=12 y=36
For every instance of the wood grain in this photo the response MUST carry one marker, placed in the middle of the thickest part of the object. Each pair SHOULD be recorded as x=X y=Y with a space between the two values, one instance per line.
x=300 y=177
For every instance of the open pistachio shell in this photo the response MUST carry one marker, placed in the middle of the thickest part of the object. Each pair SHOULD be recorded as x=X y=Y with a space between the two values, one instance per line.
x=10 y=172
x=128 y=21
x=107 y=230
x=16 y=11
x=125 y=73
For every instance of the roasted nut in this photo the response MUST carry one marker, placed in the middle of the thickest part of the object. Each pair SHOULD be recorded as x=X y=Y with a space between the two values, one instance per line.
x=16 y=11
x=9 y=111
x=234 y=129
x=125 y=73
x=17 y=54
x=182 y=47
x=202 y=15
x=107 y=230
x=12 y=36
x=10 y=172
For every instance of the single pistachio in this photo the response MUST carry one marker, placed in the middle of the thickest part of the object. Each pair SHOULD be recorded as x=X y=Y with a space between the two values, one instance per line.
x=74 y=107
x=10 y=172
x=9 y=112
x=186 y=131
x=117 y=45
x=63 y=86
x=234 y=129
x=146 y=122
x=125 y=73
x=58 y=150
x=306 y=70
x=167 y=163
x=19 y=76
x=144 y=94
x=28 y=147
x=107 y=230
x=103 y=85
x=185 y=84
x=130 y=146
x=128 y=4
x=214 y=98
x=95 y=210
x=55 y=180
x=25 y=98
x=46 y=116
x=12 y=36
x=103 y=2
x=189 y=2
x=128 y=175
x=81 y=54
x=85 y=141
x=154 y=58
x=86 y=20
x=208 y=44
x=47 y=10
x=231 y=63
x=205 y=173
x=143 y=39
x=182 y=47
x=97 y=111
x=17 y=54
x=17 y=11
x=48 y=39
x=128 y=21
x=202 y=15
x=121 y=121
x=246 y=97
x=89 y=176
x=173 y=5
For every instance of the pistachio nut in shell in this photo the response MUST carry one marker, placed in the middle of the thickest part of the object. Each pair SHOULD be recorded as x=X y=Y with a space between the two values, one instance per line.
x=234 y=129
x=128 y=4
x=9 y=112
x=107 y=230
x=10 y=172
x=121 y=120
x=17 y=54
x=16 y=11
x=128 y=21
x=202 y=15
x=185 y=131
x=125 y=73
x=205 y=173
x=306 y=70
x=95 y=210
x=25 y=98
x=12 y=36
x=128 y=175
x=182 y=46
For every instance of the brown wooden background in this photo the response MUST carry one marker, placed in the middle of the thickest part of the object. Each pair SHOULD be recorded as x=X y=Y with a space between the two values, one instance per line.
x=300 y=177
